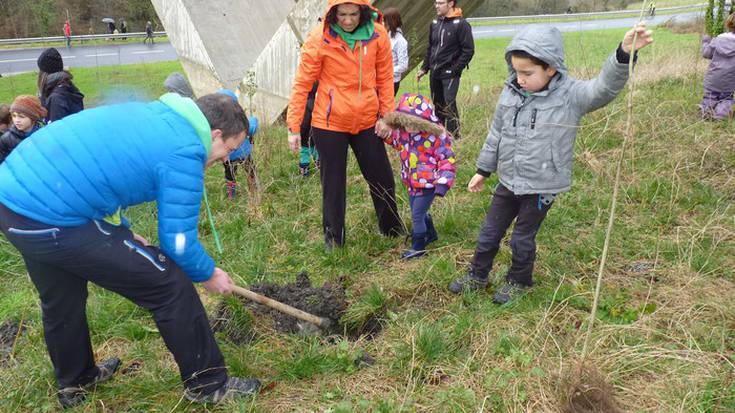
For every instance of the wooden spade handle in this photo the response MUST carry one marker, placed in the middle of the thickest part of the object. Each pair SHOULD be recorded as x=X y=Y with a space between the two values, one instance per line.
x=284 y=308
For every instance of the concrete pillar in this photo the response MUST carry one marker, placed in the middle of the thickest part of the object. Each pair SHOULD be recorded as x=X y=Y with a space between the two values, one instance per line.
x=219 y=40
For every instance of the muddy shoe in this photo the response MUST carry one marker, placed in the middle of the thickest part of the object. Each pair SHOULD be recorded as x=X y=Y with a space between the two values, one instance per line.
x=468 y=283
x=72 y=396
x=234 y=387
x=508 y=292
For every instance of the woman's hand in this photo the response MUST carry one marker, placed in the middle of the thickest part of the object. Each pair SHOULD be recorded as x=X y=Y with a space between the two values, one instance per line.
x=644 y=38
x=294 y=141
x=382 y=129
x=476 y=183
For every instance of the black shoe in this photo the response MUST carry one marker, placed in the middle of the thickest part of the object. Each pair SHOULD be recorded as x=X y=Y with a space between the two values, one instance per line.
x=508 y=292
x=233 y=387
x=468 y=283
x=72 y=396
x=304 y=170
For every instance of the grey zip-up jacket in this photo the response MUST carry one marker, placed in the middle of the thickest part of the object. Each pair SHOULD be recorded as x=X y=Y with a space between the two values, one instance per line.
x=531 y=140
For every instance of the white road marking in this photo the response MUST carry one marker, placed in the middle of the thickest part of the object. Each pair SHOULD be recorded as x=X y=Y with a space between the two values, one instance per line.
x=100 y=55
x=148 y=51
x=18 y=60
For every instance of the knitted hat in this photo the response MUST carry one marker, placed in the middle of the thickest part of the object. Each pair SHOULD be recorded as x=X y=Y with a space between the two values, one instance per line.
x=50 y=61
x=29 y=106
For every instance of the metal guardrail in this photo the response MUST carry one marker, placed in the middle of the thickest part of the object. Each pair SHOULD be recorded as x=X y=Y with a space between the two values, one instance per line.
x=587 y=14
x=78 y=38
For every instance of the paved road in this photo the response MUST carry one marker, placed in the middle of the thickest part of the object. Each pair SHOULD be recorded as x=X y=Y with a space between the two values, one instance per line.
x=480 y=32
x=24 y=60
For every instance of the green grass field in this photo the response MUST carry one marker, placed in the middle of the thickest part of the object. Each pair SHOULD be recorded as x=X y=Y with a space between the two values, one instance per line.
x=665 y=336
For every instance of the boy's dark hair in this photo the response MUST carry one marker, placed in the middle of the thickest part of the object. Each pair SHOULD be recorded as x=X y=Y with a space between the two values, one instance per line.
x=5 y=114
x=223 y=113
x=520 y=54
x=366 y=14
x=392 y=19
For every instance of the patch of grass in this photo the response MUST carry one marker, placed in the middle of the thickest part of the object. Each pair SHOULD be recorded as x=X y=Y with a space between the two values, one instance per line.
x=664 y=337
x=102 y=85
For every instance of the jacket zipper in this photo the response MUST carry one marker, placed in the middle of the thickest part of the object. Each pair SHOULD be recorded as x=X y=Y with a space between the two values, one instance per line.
x=515 y=117
x=329 y=106
x=533 y=119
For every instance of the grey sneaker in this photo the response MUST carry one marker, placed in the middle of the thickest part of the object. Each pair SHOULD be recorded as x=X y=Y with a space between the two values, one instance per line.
x=508 y=292
x=468 y=283
x=72 y=396
x=234 y=387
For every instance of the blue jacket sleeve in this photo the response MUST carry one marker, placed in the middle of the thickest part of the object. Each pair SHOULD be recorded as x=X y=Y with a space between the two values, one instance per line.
x=180 y=186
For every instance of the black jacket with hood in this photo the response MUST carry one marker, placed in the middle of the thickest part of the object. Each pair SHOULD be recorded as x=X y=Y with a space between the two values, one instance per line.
x=451 y=46
x=60 y=97
x=10 y=139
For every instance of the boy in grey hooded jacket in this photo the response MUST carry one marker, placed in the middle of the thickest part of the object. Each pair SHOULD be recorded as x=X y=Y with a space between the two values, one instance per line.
x=531 y=145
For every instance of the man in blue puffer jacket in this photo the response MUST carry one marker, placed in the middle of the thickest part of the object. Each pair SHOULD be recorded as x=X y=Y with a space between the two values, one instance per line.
x=61 y=196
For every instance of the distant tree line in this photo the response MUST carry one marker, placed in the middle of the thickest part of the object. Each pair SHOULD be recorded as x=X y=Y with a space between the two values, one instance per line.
x=37 y=18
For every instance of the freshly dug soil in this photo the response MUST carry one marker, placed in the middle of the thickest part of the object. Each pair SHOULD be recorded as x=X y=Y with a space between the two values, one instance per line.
x=8 y=334
x=326 y=301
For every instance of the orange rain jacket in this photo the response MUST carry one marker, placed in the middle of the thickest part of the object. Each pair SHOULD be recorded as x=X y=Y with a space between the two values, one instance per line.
x=355 y=86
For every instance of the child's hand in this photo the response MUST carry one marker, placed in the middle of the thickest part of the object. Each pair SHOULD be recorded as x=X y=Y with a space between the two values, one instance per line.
x=476 y=183
x=645 y=37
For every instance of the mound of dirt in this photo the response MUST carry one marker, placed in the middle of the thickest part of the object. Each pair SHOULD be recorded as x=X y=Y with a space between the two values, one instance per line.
x=327 y=301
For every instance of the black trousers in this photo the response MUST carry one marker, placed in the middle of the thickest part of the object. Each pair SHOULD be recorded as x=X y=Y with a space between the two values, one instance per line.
x=396 y=86
x=375 y=167
x=62 y=260
x=529 y=212
x=444 y=96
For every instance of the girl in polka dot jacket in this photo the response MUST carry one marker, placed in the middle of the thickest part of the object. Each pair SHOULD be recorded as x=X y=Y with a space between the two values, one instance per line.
x=427 y=163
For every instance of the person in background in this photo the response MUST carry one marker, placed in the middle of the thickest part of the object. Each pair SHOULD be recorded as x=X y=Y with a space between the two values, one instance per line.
x=449 y=52
x=398 y=44
x=67 y=34
x=56 y=90
x=123 y=27
x=719 y=81
x=148 y=32
x=5 y=118
x=27 y=113
x=177 y=83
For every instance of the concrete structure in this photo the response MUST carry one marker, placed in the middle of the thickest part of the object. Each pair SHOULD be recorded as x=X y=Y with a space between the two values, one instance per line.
x=254 y=45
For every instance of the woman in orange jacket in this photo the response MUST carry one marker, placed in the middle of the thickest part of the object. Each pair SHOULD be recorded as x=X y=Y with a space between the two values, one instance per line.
x=350 y=55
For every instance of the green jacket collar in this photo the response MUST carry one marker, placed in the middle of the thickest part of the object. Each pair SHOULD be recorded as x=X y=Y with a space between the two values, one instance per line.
x=190 y=111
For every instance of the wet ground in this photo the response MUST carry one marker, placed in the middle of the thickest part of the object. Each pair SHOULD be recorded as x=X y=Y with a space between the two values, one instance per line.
x=328 y=301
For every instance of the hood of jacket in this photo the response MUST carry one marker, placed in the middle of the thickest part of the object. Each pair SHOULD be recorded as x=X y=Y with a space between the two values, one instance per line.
x=415 y=112
x=455 y=12
x=726 y=44
x=334 y=3
x=542 y=42
x=190 y=111
x=62 y=81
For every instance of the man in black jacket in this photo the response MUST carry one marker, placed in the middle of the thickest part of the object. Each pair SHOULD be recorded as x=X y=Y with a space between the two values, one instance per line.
x=450 y=50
